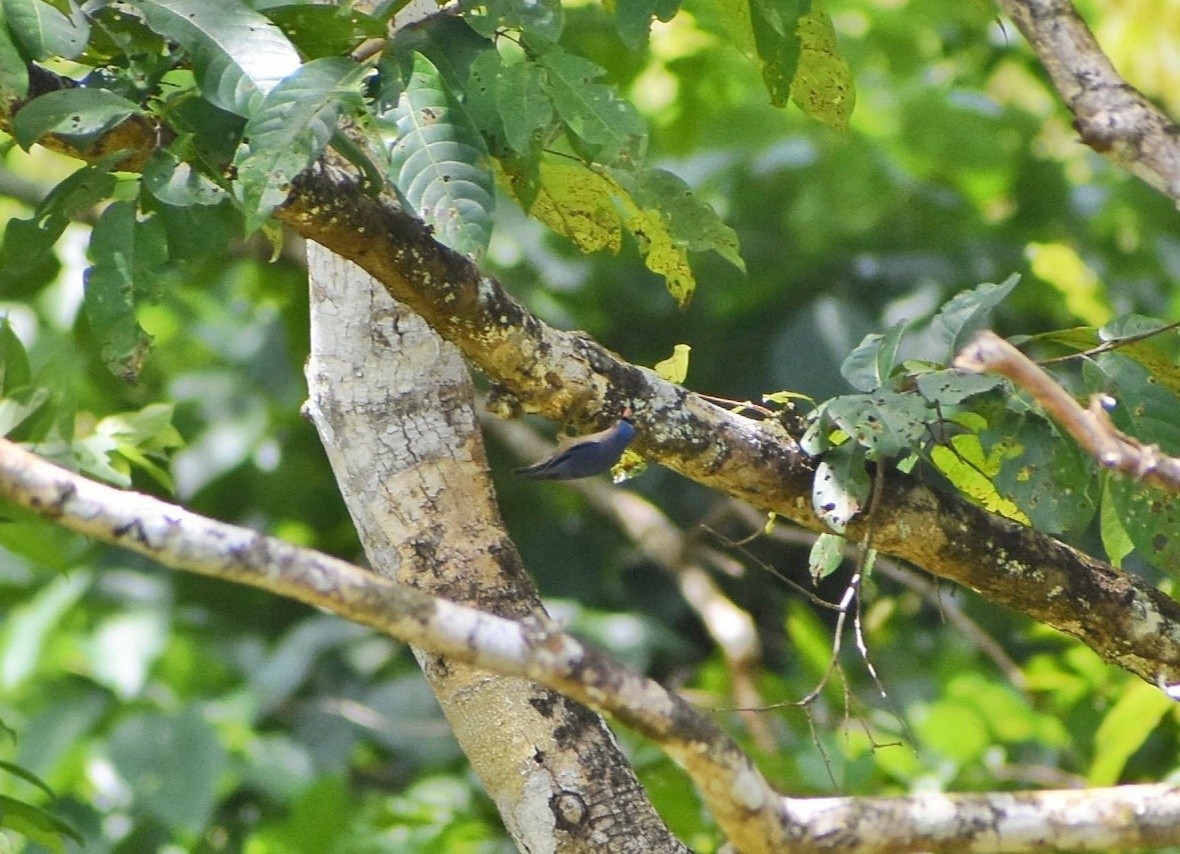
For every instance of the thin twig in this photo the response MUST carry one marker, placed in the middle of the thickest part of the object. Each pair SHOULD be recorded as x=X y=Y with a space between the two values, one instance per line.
x=989 y=353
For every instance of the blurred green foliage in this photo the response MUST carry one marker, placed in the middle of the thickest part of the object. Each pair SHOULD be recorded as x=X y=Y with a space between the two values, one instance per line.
x=161 y=709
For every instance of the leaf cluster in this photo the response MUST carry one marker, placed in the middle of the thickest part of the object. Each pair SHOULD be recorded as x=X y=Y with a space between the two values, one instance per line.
x=990 y=442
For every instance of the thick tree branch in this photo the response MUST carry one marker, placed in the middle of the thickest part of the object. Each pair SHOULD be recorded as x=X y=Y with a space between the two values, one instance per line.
x=568 y=376
x=752 y=815
x=1110 y=115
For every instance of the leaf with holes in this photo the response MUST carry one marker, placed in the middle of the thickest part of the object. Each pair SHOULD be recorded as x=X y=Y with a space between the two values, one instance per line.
x=290 y=130
x=822 y=86
x=841 y=486
x=438 y=163
x=238 y=54
x=605 y=127
x=79 y=113
x=128 y=254
x=885 y=423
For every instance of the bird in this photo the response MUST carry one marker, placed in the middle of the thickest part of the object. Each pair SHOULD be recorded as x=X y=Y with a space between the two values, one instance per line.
x=585 y=456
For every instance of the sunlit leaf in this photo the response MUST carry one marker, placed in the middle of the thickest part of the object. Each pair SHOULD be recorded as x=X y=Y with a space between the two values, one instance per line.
x=238 y=54
x=822 y=87
x=675 y=368
x=1125 y=728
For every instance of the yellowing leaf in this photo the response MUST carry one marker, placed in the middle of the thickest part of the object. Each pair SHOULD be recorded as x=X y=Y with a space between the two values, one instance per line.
x=823 y=86
x=661 y=253
x=968 y=469
x=675 y=368
x=577 y=203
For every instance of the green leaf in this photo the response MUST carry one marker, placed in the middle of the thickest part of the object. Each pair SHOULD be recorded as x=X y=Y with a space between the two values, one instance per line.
x=1124 y=730
x=774 y=24
x=539 y=20
x=28 y=627
x=325 y=30
x=14 y=73
x=172 y=764
x=44 y=32
x=14 y=360
x=822 y=87
x=827 y=553
x=690 y=222
x=438 y=163
x=136 y=437
x=1051 y=479
x=966 y=313
x=128 y=254
x=37 y=824
x=175 y=182
x=480 y=101
x=524 y=105
x=290 y=129
x=870 y=364
x=26 y=775
x=948 y=388
x=1115 y=539
x=886 y=423
x=26 y=415
x=84 y=113
x=607 y=129
x=841 y=486
x=633 y=21
x=448 y=42
x=1150 y=517
x=1144 y=407
x=238 y=54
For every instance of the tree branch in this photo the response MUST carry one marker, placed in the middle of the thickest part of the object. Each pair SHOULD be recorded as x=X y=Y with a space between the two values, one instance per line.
x=752 y=815
x=569 y=377
x=1110 y=115
x=745 y=806
x=988 y=353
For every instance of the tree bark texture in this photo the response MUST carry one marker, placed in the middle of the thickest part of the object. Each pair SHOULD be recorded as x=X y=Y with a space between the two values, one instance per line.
x=393 y=403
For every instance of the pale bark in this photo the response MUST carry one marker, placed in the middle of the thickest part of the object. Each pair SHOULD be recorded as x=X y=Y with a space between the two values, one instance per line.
x=751 y=814
x=393 y=404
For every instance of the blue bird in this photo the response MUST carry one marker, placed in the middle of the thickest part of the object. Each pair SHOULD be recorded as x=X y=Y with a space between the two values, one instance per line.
x=587 y=455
